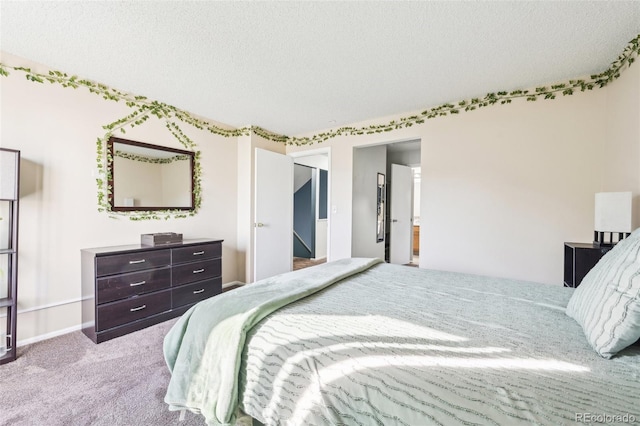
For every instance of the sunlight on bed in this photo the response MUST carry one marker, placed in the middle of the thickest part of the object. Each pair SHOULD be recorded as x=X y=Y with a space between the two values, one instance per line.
x=312 y=395
x=382 y=337
x=348 y=325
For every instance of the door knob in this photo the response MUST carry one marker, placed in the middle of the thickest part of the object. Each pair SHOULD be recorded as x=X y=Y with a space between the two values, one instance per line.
x=394 y=220
x=259 y=225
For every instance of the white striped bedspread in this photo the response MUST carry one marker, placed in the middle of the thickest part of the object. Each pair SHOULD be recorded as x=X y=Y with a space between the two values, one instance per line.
x=396 y=345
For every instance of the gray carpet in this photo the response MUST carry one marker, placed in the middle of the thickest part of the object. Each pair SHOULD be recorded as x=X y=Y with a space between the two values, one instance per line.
x=69 y=380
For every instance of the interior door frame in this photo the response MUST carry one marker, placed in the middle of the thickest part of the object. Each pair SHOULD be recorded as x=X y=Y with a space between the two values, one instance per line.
x=321 y=151
x=413 y=164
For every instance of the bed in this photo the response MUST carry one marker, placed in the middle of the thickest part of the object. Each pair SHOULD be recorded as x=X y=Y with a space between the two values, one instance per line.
x=361 y=342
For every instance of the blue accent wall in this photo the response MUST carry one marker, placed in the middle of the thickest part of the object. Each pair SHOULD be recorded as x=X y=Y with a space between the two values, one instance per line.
x=322 y=194
x=304 y=223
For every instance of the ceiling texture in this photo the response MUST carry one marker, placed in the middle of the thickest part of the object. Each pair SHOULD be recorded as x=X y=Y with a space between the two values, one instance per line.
x=301 y=67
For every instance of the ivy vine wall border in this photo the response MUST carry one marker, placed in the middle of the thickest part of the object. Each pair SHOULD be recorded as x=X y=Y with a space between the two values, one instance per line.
x=143 y=109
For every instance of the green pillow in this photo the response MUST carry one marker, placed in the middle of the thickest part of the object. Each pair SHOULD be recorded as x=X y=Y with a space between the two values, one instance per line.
x=607 y=302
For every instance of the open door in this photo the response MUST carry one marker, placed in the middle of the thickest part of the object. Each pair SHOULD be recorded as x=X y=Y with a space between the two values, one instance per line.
x=401 y=229
x=273 y=227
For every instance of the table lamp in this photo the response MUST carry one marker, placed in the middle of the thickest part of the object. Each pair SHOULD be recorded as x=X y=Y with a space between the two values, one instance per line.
x=612 y=216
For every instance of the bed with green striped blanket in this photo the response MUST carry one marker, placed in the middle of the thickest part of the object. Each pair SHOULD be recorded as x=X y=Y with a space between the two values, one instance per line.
x=393 y=345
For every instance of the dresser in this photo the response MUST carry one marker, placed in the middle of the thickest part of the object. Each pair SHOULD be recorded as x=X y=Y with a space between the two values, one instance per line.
x=127 y=288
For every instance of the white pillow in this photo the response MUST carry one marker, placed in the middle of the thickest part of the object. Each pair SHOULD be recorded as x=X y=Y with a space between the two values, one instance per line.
x=607 y=302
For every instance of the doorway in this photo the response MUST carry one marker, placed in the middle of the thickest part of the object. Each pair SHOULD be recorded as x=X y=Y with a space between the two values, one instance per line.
x=310 y=210
x=401 y=158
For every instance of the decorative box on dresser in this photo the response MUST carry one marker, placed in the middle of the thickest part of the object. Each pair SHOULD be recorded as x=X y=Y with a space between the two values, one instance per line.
x=127 y=288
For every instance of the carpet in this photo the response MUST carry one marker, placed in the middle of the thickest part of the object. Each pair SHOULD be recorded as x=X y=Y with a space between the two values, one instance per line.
x=69 y=380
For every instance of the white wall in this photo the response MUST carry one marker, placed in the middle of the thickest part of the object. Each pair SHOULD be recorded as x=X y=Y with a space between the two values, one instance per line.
x=409 y=157
x=504 y=187
x=319 y=161
x=56 y=130
x=367 y=163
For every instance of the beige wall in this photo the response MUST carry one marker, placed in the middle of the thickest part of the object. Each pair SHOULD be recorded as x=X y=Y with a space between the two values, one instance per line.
x=138 y=180
x=56 y=130
x=176 y=183
x=504 y=187
x=620 y=161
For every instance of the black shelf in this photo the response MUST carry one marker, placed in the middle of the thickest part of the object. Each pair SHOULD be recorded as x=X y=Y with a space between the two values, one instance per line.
x=9 y=190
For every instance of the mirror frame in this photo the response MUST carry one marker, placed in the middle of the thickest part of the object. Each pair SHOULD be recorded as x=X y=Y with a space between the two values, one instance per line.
x=110 y=171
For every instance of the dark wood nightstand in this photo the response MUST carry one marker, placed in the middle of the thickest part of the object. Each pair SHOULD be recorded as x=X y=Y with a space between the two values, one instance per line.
x=579 y=258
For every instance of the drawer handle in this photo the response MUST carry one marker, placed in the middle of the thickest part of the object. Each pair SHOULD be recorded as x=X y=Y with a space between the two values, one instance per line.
x=139 y=308
x=198 y=291
x=135 y=284
x=133 y=262
x=198 y=253
x=197 y=271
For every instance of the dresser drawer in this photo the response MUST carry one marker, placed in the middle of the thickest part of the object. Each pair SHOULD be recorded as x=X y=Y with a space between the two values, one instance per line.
x=118 y=313
x=196 y=271
x=115 y=287
x=195 y=292
x=121 y=263
x=195 y=253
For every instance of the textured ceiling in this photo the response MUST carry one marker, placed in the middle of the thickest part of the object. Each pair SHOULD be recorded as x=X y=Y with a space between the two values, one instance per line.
x=295 y=67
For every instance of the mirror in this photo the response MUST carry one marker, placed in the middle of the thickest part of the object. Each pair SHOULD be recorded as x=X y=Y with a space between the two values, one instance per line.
x=381 y=201
x=146 y=177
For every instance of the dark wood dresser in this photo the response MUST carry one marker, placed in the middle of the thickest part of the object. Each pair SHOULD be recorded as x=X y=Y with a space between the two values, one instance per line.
x=127 y=288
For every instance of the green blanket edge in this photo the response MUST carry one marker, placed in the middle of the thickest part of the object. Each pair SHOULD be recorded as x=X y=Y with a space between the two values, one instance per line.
x=204 y=378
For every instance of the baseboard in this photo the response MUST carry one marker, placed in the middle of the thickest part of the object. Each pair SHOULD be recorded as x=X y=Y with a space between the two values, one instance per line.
x=49 y=335
x=232 y=283
x=75 y=327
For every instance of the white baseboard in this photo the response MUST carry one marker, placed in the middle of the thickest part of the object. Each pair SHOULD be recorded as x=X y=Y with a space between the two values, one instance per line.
x=49 y=335
x=57 y=333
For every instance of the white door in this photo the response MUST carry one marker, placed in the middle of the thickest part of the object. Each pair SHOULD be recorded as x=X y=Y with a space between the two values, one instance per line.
x=273 y=226
x=401 y=231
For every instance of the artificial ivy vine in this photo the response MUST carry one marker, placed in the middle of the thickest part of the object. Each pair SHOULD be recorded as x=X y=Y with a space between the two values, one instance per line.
x=143 y=109
x=144 y=159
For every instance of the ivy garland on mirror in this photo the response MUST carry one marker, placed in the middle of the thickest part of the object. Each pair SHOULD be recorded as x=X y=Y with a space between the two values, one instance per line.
x=144 y=159
x=143 y=109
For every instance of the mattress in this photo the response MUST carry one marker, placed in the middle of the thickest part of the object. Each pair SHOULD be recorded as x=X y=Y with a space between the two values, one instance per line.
x=395 y=345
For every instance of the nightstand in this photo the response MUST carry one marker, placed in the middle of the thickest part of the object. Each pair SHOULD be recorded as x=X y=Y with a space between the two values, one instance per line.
x=579 y=258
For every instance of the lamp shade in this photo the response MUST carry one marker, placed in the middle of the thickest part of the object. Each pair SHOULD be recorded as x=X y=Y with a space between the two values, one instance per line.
x=613 y=212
